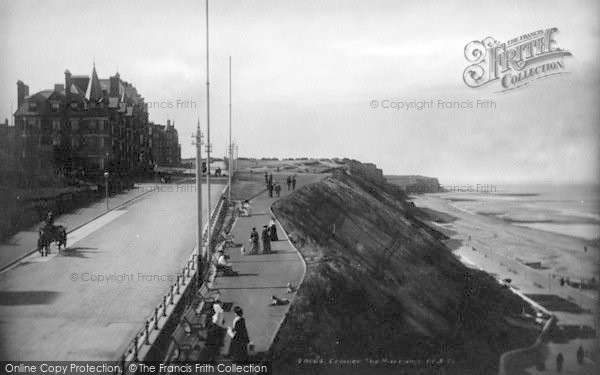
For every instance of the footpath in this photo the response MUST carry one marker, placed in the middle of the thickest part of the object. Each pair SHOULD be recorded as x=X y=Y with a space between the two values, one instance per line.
x=24 y=242
x=261 y=276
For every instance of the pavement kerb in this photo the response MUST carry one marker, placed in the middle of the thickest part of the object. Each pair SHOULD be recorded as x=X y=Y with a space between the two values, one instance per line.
x=297 y=287
x=13 y=262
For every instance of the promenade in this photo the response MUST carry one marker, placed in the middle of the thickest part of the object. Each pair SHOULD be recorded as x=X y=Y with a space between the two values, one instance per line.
x=264 y=275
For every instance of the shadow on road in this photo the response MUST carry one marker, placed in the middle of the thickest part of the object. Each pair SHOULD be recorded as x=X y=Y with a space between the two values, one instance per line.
x=78 y=252
x=27 y=298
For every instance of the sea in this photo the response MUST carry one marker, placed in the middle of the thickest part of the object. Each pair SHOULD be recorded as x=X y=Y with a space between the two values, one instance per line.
x=572 y=210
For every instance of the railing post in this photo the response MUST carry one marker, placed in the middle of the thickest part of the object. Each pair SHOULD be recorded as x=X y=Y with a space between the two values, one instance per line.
x=164 y=305
x=135 y=349
x=178 y=285
x=156 y=318
x=147 y=342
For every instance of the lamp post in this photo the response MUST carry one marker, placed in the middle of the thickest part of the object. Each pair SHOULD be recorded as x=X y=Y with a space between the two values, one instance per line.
x=208 y=144
x=230 y=144
x=106 y=187
x=198 y=142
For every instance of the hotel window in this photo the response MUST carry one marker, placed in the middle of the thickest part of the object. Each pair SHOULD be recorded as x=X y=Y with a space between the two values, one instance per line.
x=32 y=124
x=56 y=125
x=101 y=142
x=74 y=124
x=54 y=107
x=32 y=106
x=101 y=125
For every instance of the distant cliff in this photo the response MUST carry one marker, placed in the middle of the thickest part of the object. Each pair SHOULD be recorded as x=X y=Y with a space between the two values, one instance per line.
x=380 y=284
x=416 y=184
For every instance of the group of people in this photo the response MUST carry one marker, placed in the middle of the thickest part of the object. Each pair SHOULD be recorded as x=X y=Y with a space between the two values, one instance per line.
x=268 y=235
x=238 y=347
x=276 y=186
x=560 y=359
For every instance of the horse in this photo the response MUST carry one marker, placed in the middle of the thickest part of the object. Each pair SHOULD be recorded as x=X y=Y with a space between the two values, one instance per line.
x=49 y=234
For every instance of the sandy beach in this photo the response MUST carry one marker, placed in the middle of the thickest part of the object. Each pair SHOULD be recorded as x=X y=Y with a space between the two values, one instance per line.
x=559 y=254
x=501 y=248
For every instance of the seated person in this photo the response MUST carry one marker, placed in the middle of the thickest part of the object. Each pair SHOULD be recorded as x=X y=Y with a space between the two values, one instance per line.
x=246 y=209
x=276 y=301
x=224 y=265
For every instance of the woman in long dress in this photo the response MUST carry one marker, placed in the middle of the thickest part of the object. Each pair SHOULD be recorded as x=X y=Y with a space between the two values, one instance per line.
x=273 y=229
x=254 y=241
x=238 y=349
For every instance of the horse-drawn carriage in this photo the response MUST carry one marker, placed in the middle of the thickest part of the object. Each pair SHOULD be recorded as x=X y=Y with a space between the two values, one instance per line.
x=51 y=233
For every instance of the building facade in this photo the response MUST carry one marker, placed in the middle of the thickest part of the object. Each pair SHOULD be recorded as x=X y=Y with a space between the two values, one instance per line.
x=8 y=159
x=85 y=127
x=166 y=150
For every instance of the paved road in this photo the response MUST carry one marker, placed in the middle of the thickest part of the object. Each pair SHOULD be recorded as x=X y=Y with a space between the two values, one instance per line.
x=22 y=242
x=88 y=302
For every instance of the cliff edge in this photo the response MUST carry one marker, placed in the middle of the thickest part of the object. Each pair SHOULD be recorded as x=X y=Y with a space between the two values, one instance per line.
x=380 y=285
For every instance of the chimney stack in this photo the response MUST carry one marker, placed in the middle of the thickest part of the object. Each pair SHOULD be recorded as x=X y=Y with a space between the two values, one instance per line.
x=22 y=92
x=68 y=85
x=58 y=87
x=114 y=86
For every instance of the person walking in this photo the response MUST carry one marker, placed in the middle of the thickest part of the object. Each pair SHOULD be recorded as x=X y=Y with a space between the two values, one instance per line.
x=238 y=348
x=277 y=189
x=559 y=362
x=254 y=241
x=267 y=178
x=273 y=230
x=270 y=190
x=580 y=355
x=289 y=182
x=294 y=182
x=265 y=235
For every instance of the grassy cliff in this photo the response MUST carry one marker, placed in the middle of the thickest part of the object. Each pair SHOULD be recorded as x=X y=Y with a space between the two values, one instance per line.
x=380 y=284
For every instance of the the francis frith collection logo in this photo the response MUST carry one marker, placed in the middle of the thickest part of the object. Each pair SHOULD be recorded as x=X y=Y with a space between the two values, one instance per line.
x=515 y=63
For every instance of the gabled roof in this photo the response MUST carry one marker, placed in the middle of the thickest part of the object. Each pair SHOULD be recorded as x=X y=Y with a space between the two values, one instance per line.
x=41 y=95
x=81 y=82
x=105 y=84
x=94 y=90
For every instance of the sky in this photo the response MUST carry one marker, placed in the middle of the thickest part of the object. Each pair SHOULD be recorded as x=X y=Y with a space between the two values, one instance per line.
x=304 y=74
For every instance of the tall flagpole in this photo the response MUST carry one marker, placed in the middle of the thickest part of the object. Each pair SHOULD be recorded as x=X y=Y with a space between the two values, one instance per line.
x=198 y=141
x=230 y=145
x=208 y=145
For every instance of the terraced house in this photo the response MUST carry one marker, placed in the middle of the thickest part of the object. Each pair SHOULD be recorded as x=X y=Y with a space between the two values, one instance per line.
x=84 y=127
